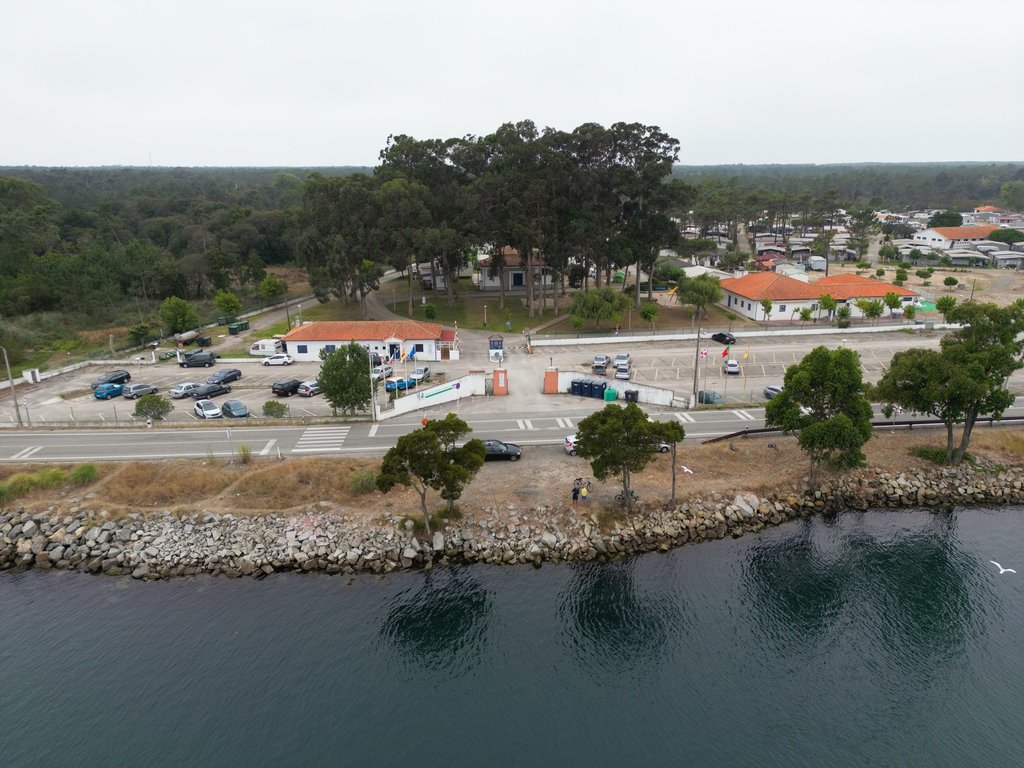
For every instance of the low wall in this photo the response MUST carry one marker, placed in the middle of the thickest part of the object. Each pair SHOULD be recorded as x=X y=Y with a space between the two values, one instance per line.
x=646 y=393
x=428 y=397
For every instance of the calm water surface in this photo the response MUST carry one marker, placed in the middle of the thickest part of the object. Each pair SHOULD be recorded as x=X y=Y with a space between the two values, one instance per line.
x=882 y=639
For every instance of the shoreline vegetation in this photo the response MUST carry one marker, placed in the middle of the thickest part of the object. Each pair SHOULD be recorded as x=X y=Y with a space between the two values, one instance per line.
x=88 y=529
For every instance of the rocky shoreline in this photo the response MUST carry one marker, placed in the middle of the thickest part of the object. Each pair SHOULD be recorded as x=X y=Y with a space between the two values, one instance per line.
x=164 y=545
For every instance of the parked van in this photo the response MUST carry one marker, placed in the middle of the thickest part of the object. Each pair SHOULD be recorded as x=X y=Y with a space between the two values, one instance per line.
x=267 y=347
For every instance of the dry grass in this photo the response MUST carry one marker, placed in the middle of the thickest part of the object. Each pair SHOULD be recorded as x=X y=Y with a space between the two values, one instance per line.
x=158 y=484
x=302 y=481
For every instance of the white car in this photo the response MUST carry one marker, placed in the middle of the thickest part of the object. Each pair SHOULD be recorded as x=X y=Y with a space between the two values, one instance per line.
x=183 y=390
x=420 y=374
x=731 y=367
x=207 y=409
x=279 y=359
x=382 y=372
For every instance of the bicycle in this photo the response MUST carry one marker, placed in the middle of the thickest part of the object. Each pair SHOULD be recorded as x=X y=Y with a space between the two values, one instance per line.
x=620 y=497
x=580 y=483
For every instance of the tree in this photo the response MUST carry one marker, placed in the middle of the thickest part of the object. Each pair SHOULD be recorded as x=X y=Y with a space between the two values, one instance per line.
x=1008 y=236
x=271 y=287
x=649 y=312
x=880 y=272
x=345 y=378
x=597 y=305
x=618 y=441
x=888 y=252
x=949 y=281
x=823 y=401
x=427 y=459
x=178 y=315
x=766 y=307
x=861 y=225
x=670 y=432
x=923 y=274
x=945 y=304
x=873 y=309
x=843 y=315
x=828 y=304
x=965 y=378
x=227 y=303
x=909 y=312
x=946 y=219
x=892 y=301
x=1011 y=195
x=805 y=315
x=139 y=333
x=152 y=407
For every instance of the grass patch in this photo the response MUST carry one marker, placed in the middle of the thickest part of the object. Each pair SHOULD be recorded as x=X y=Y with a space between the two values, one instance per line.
x=157 y=484
x=937 y=455
x=607 y=519
x=444 y=514
x=244 y=453
x=23 y=483
x=362 y=481
x=84 y=474
x=306 y=481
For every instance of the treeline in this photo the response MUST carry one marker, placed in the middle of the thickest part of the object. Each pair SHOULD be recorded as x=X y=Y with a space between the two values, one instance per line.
x=895 y=186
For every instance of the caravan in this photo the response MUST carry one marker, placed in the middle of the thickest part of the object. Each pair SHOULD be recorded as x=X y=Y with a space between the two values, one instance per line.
x=267 y=347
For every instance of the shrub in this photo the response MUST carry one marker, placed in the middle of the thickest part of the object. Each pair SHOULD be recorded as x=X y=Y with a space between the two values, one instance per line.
x=19 y=484
x=275 y=409
x=430 y=311
x=50 y=477
x=84 y=474
x=139 y=333
x=244 y=453
x=152 y=407
x=362 y=482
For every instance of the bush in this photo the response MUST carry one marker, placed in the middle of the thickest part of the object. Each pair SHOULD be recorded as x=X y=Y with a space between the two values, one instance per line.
x=19 y=484
x=84 y=474
x=244 y=453
x=152 y=407
x=362 y=482
x=275 y=409
x=50 y=477
x=139 y=333
x=430 y=311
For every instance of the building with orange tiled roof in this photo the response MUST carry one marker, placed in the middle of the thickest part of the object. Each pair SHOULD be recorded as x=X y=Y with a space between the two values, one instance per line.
x=989 y=209
x=743 y=295
x=944 y=238
x=391 y=339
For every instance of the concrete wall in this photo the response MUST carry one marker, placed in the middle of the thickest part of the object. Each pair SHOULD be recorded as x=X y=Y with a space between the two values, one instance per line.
x=428 y=397
x=647 y=393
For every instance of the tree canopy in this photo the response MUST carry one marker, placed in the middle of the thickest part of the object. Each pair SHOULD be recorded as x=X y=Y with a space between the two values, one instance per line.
x=344 y=378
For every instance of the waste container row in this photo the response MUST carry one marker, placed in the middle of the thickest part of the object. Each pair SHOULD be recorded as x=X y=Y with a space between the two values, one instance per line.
x=598 y=389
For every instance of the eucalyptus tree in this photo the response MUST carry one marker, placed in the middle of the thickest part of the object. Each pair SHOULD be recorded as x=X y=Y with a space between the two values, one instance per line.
x=403 y=221
x=700 y=293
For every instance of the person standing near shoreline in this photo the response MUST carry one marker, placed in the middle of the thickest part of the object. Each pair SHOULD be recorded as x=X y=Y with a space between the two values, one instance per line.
x=583 y=494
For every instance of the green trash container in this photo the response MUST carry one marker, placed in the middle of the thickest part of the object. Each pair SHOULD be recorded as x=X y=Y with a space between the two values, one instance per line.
x=233 y=329
x=610 y=394
x=243 y=325
x=222 y=320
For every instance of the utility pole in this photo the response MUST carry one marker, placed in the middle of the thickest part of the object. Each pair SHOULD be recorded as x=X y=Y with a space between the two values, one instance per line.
x=14 y=395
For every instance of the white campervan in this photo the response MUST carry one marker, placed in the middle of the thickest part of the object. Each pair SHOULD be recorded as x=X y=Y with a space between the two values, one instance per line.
x=266 y=347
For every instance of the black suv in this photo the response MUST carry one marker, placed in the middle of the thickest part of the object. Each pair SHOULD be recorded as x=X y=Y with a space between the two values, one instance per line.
x=723 y=338
x=198 y=360
x=224 y=375
x=210 y=390
x=285 y=388
x=114 y=377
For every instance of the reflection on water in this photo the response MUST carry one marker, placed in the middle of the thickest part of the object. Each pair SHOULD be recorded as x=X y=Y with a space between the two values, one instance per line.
x=442 y=625
x=609 y=622
x=910 y=590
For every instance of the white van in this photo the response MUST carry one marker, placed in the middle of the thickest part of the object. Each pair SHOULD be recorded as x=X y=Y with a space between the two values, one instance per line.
x=266 y=347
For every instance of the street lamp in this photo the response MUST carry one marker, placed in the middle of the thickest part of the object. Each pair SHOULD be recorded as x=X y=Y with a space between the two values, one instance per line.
x=14 y=395
x=485 y=315
x=300 y=314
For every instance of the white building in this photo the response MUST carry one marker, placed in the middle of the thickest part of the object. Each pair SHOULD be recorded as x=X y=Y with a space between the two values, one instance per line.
x=945 y=238
x=391 y=339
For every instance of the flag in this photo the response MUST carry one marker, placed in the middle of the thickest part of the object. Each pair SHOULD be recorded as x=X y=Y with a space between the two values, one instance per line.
x=725 y=353
x=704 y=354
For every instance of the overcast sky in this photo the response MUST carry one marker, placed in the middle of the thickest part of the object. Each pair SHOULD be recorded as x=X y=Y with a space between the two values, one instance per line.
x=323 y=83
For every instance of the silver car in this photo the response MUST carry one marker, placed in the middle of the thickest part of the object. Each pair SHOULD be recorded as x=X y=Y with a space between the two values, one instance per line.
x=179 y=391
x=132 y=391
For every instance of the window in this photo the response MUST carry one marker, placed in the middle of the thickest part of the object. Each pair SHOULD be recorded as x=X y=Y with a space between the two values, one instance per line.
x=330 y=348
x=782 y=308
x=419 y=347
x=302 y=349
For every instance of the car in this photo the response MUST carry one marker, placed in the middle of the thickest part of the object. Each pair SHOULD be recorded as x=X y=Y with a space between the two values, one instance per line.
x=285 y=388
x=392 y=384
x=234 y=409
x=107 y=391
x=771 y=391
x=113 y=377
x=601 y=360
x=709 y=397
x=206 y=391
x=420 y=374
x=571 y=442
x=622 y=373
x=496 y=449
x=132 y=391
x=207 y=409
x=723 y=338
x=279 y=359
x=198 y=360
x=731 y=368
x=623 y=360
x=224 y=375
x=179 y=391
x=381 y=372
x=308 y=388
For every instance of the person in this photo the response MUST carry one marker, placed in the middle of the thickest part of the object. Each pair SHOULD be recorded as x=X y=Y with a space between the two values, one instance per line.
x=583 y=494
x=575 y=494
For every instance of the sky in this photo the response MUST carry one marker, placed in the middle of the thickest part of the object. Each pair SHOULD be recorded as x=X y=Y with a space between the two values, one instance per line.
x=325 y=82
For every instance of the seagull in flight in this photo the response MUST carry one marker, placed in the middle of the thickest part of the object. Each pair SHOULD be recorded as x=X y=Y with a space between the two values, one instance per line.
x=1001 y=569
x=685 y=469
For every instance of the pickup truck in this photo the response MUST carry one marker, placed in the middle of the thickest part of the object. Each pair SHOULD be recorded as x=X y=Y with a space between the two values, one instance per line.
x=420 y=374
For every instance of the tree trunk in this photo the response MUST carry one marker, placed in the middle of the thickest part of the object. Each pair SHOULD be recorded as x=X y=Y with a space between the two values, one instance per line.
x=949 y=442
x=696 y=358
x=673 y=474
x=965 y=438
x=410 y=285
x=625 y=490
x=423 y=507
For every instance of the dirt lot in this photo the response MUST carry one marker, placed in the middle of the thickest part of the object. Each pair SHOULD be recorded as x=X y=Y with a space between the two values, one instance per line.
x=540 y=479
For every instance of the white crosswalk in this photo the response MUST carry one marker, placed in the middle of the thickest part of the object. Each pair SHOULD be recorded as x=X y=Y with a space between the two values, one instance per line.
x=321 y=439
x=744 y=415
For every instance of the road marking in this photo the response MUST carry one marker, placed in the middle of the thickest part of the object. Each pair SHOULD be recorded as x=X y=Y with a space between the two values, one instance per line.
x=744 y=415
x=520 y=423
x=373 y=430
x=685 y=417
x=24 y=454
x=529 y=424
x=267 y=447
x=319 y=439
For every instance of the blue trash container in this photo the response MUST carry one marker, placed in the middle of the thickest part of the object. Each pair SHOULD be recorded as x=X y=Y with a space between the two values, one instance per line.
x=577 y=387
x=587 y=388
x=597 y=389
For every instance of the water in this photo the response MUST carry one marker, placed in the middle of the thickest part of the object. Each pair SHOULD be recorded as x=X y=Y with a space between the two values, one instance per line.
x=882 y=639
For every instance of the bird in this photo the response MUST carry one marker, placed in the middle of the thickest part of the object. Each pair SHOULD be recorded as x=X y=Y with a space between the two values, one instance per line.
x=686 y=469
x=1001 y=569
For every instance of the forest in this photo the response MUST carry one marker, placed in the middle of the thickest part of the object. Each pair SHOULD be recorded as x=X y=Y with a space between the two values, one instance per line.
x=102 y=247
